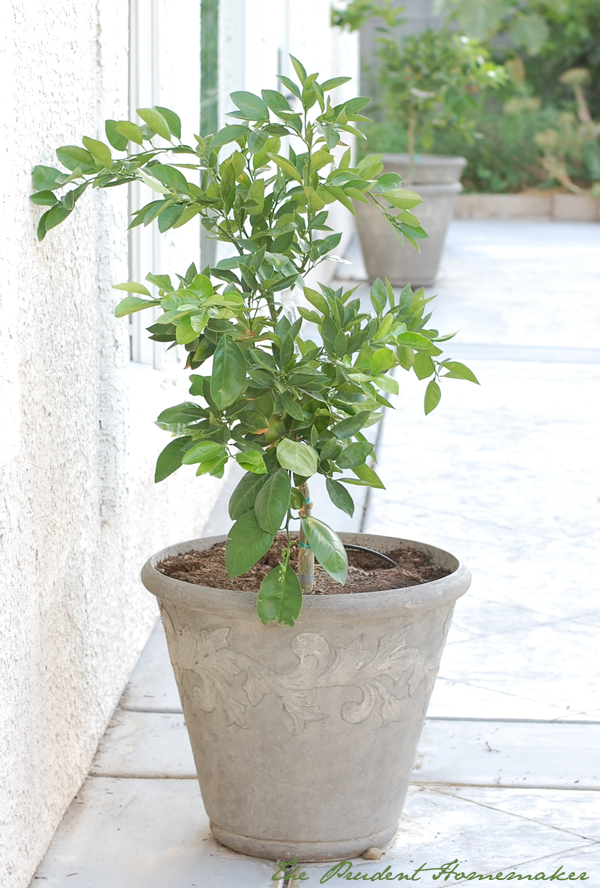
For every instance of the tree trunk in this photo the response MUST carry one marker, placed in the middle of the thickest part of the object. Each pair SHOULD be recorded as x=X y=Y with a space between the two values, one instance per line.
x=306 y=558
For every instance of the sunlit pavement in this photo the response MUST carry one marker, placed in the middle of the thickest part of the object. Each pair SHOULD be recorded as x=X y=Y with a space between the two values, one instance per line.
x=504 y=475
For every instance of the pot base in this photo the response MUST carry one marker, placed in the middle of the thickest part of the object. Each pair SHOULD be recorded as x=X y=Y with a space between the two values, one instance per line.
x=304 y=852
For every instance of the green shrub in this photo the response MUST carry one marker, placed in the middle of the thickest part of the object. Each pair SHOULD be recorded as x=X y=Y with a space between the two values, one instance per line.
x=504 y=155
x=283 y=406
x=550 y=36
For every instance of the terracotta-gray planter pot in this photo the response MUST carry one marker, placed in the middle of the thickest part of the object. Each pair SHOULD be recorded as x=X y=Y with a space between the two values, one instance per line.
x=437 y=180
x=304 y=738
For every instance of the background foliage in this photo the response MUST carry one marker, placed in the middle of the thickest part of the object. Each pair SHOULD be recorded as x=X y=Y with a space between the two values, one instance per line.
x=530 y=132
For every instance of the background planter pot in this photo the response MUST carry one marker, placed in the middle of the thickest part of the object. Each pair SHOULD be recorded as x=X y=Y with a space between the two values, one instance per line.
x=304 y=738
x=437 y=180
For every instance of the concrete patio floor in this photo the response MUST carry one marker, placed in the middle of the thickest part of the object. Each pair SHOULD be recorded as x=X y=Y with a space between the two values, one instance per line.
x=507 y=776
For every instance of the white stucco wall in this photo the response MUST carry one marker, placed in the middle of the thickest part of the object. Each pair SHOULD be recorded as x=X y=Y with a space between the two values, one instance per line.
x=79 y=512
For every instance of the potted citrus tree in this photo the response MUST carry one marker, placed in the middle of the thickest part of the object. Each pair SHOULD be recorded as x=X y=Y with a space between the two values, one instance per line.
x=303 y=719
x=430 y=81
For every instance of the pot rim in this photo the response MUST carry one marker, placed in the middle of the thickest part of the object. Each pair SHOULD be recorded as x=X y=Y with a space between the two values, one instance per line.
x=383 y=602
x=425 y=189
x=423 y=159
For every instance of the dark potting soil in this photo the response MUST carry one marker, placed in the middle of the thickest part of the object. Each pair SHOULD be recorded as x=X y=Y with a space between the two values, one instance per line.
x=366 y=573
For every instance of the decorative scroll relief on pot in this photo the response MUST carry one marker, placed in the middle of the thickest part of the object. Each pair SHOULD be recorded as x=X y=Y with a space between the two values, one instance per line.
x=220 y=675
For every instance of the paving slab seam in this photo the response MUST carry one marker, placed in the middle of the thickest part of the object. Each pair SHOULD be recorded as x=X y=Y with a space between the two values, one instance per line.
x=158 y=711
x=482 y=687
x=439 y=788
x=511 y=631
x=525 y=721
x=536 y=354
x=547 y=856
x=542 y=536
x=122 y=776
x=508 y=785
x=571 y=619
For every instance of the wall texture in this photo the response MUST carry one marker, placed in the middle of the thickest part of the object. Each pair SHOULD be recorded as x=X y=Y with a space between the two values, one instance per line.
x=79 y=512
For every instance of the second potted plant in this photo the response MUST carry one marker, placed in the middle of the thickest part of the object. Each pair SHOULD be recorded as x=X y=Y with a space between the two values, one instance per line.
x=303 y=720
x=430 y=82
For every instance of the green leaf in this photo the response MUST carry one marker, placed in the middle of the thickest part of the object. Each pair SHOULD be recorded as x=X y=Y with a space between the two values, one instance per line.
x=327 y=548
x=287 y=166
x=297 y=457
x=170 y=459
x=339 y=496
x=299 y=69
x=415 y=340
x=228 y=134
x=215 y=466
x=47 y=178
x=168 y=217
x=381 y=361
x=204 y=451
x=280 y=596
x=252 y=461
x=333 y=82
x=203 y=285
x=173 y=120
x=290 y=85
x=387 y=182
x=132 y=287
x=292 y=407
x=184 y=332
x=44 y=198
x=297 y=499
x=459 y=371
x=387 y=383
x=275 y=101
x=130 y=130
x=423 y=366
x=181 y=413
x=72 y=156
x=99 y=150
x=156 y=121
x=256 y=143
x=336 y=192
x=378 y=295
x=273 y=500
x=243 y=497
x=529 y=31
x=354 y=454
x=315 y=203
x=51 y=219
x=256 y=193
x=251 y=106
x=317 y=300
x=367 y=475
x=170 y=176
x=116 y=139
x=162 y=281
x=130 y=305
x=403 y=198
x=432 y=396
x=152 y=183
x=347 y=428
x=246 y=544
x=228 y=373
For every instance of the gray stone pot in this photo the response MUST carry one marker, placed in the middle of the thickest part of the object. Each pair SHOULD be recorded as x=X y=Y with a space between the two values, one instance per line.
x=304 y=738
x=437 y=180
